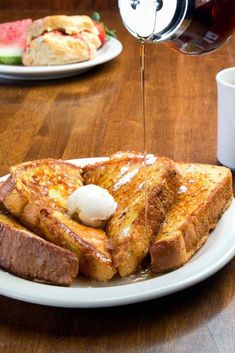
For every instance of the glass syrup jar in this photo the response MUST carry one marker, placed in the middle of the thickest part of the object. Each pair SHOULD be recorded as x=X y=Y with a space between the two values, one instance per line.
x=191 y=27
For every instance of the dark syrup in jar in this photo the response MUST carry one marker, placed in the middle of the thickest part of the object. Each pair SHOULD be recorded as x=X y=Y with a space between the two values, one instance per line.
x=212 y=24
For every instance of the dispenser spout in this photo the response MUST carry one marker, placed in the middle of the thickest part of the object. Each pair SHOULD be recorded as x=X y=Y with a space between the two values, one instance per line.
x=159 y=5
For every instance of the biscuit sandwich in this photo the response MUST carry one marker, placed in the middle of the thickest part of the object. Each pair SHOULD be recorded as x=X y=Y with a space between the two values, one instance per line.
x=58 y=40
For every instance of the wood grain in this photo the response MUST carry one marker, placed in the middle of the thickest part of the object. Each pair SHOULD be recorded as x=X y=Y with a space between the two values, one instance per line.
x=93 y=115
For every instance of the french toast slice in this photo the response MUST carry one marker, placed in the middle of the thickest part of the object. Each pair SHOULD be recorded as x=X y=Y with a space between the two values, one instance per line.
x=90 y=244
x=45 y=185
x=25 y=254
x=205 y=193
x=123 y=175
x=47 y=181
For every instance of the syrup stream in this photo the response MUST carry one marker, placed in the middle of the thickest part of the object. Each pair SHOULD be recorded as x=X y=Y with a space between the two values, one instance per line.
x=142 y=40
x=143 y=116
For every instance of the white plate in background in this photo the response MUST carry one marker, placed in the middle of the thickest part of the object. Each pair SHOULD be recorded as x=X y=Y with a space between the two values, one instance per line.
x=107 y=52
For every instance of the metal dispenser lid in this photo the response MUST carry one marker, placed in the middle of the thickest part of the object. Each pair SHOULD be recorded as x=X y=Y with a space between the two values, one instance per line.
x=156 y=20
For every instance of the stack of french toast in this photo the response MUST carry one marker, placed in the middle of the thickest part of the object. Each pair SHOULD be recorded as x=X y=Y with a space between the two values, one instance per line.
x=165 y=209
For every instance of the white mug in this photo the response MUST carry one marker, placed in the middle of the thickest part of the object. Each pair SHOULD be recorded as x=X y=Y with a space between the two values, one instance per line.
x=226 y=117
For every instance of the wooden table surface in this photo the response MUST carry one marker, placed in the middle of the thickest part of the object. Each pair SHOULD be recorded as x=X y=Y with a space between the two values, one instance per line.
x=95 y=114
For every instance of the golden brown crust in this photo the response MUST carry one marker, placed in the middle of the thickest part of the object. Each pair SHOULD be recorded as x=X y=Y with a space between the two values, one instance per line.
x=54 y=49
x=59 y=40
x=37 y=184
x=46 y=184
x=194 y=215
x=204 y=194
x=123 y=175
x=69 y=24
x=129 y=252
x=90 y=244
x=29 y=256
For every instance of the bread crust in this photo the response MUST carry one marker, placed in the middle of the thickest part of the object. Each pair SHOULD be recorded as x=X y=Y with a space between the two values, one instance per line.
x=129 y=234
x=29 y=256
x=91 y=245
x=185 y=202
x=59 y=40
x=178 y=241
x=69 y=24
x=52 y=49
x=36 y=193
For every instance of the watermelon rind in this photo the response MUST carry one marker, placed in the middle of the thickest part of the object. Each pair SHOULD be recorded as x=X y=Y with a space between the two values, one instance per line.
x=11 y=60
x=10 y=55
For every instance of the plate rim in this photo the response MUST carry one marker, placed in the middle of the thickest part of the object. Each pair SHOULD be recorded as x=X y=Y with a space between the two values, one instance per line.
x=114 y=295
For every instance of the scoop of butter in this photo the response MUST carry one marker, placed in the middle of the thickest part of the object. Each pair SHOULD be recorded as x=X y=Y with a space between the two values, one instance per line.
x=92 y=205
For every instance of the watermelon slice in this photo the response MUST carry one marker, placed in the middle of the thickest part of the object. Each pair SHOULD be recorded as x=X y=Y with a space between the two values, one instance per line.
x=13 y=38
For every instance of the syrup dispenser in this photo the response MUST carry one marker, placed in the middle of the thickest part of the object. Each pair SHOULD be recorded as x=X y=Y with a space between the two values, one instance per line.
x=191 y=27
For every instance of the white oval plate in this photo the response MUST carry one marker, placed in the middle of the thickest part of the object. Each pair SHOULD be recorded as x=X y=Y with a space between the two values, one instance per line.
x=107 y=52
x=216 y=253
